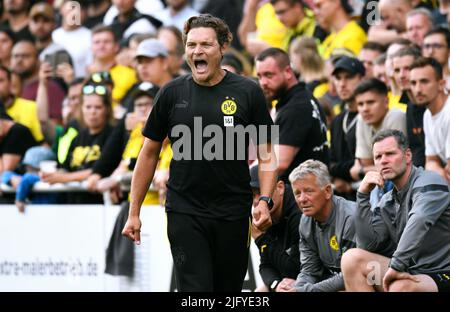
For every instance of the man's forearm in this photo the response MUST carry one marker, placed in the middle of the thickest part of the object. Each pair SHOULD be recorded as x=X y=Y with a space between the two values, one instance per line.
x=142 y=177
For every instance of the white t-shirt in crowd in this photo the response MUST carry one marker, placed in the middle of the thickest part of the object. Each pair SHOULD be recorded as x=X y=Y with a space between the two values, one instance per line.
x=437 y=132
x=394 y=119
x=78 y=43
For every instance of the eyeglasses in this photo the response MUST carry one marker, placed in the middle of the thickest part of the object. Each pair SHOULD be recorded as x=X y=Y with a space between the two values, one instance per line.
x=101 y=77
x=434 y=46
x=91 y=89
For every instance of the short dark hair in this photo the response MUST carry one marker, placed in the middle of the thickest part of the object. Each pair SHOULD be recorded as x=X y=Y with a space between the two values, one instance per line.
x=290 y=2
x=104 y=28
x=374 y=46
x=429 y=61
x=280 y=56
x=179 y=49
x=444 y=31
x=400 y=138
x=372 y=84
x=221 y=28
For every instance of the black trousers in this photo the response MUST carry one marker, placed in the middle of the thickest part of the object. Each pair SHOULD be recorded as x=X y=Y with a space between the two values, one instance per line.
x=208 y=254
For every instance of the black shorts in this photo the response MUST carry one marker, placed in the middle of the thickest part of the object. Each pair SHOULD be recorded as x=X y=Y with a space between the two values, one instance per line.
x=442 y=280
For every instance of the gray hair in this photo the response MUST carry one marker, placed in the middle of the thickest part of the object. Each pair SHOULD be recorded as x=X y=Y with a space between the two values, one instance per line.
x=421 y=11
x=314 y=167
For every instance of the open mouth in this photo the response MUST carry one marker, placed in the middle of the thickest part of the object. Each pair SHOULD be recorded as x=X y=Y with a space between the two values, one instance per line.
x=200 y=66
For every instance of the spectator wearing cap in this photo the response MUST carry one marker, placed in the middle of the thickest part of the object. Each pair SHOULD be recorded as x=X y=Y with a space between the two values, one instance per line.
x=371 y=97
x=7 y=41
x=348 y=73
x=17 y=18
x=334 y=15
x=75 y=38
x=393 y=21
x=152 y=65
x=42 y=24
x=104 y=50
x=279 y=245
x=23 y=184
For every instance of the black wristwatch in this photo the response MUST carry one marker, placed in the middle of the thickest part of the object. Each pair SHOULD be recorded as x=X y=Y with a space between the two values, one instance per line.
x=268 y=200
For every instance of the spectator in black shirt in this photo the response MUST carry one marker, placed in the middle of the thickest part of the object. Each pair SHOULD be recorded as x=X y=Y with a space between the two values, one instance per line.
x=348 y=73
x=209 y=197
x=300 y=117
x=279 y=245
x=18 y=18
x=15 y=139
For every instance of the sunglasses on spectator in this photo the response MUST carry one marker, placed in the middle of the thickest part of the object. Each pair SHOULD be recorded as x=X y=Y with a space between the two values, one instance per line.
x=91 y=89
x=100 y=77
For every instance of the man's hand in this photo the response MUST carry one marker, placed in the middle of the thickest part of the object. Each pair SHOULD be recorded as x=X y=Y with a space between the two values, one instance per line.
x=261 y=216
x=256 y=232
x=20 y=205
x=286 y=285
x=132 y=229
x=393 y=275
x=372 y=179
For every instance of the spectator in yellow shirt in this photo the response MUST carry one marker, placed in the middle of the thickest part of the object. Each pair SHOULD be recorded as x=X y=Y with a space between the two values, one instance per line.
x=20 y=110
x=334 y=15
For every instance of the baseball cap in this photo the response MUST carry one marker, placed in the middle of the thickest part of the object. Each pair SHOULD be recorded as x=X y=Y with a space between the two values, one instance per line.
x=349 y=64
x=151 y=48
x=34 y=156
x=145 y=88
x=42 y=9
x=254 y=179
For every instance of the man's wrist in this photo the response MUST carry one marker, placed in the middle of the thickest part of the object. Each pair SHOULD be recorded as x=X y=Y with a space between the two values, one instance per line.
x=266 y=199
x=273 y=286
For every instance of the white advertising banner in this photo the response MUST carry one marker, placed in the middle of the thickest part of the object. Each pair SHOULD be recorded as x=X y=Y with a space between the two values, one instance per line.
x=62 y=248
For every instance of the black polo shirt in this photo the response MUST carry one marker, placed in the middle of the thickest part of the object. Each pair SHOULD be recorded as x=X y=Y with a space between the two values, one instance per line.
x=207 y=179
x=302 y=124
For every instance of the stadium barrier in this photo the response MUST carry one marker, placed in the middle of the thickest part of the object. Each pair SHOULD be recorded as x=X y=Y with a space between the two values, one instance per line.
x=62 y=248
